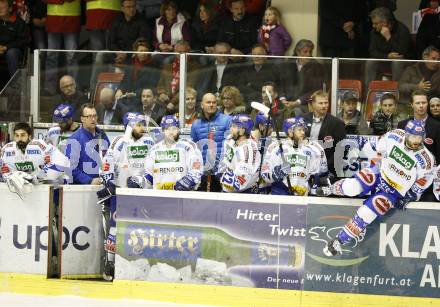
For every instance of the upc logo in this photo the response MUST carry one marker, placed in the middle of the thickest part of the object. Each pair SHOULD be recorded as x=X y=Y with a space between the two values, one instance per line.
x=402 y=158
x=167 y=156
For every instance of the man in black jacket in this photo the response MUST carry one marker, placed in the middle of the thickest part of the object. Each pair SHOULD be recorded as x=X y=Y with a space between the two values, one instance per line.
x=325 y=127
x=239 y=29
x=14 y=36
x=419 y=104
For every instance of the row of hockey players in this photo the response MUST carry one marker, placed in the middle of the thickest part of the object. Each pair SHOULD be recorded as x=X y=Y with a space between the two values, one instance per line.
x=295 y=165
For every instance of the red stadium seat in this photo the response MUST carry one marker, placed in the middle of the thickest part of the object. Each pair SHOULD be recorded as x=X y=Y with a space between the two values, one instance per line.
x=376 y=89
x=106 y=79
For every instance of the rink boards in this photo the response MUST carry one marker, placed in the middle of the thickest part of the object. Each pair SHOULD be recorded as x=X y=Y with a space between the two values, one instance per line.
x=403 y=246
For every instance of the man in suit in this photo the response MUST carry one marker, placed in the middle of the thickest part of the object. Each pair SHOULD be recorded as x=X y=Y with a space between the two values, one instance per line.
x=325 y=127
x=150 y=106
x=108 y=111
x=219 y=74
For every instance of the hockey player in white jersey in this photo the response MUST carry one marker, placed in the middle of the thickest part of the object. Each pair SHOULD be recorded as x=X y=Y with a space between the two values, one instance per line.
x=436 y=183
x=25 y=161
x=403 y=173
x=238 y=168
x=65 y=126
x=173 y=163
x=298 y=161
x=125 y=158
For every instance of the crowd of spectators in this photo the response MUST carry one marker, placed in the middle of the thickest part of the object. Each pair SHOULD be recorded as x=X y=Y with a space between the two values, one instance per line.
x=228 y=29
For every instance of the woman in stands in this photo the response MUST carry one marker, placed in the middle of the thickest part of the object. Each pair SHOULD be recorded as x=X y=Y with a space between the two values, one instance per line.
x=205 y=29
x=231 y=101
x=170 y=28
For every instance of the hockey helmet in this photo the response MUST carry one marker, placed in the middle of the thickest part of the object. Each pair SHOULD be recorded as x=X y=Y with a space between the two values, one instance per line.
x=262 y=118
x=415 y=127
x=243 y=121
x=131 y=118
x=294 y=122
x=168 y=121
x=63 y=112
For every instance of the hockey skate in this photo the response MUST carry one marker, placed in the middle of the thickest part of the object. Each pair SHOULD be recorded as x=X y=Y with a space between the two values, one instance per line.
x=332 y=248
x=109 y=270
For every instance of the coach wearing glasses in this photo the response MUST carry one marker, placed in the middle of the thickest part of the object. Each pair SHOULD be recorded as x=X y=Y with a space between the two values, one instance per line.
x=86 y=147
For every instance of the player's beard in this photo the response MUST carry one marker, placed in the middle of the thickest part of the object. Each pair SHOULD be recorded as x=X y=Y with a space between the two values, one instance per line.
x=22 y=145
x=236 y=136
x=136 y=136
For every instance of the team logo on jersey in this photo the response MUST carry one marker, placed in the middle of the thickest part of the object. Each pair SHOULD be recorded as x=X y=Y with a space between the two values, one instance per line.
x=402 y=158
x=167 y=156
x=136 y=152
x=427 y=159
x=367 y=176
x=229 y=154
x=399 y=172
x=33 y=151
x=10 y=153
x=421 y=181
x=381 y=204
x=296 y=160
x=25 y=166
x=429 y=141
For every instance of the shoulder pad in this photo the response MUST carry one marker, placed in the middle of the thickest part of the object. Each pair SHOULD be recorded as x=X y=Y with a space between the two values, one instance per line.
x=116 y=141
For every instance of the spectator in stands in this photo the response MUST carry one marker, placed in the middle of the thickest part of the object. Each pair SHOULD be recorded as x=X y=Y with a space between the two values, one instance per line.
x=325 y=127
x=221 y=73
x=231 y=101
x=70 y=94
x=253 y=7
x=80 y=144
x=434 y=108
x=428 y=33
x=142 y=73
x=383 y=120
x=209 y=132
x=22 y=10
x=14 y=37
x=170 y=28
x=191 y=113
x=239 y=29
x=272 y=34
x=150 y=106
x=280 y=112
x=419 y=104
x=302 y=77
x=126 y=29
x=99 y=18
x=352 y=118
x=337 y=30
x=205 y=28
x=38 y=12
x=110 y=111
x=255 y=74
x=63 y=24
x=390 y=39
x=170 y=76
x=421 y=75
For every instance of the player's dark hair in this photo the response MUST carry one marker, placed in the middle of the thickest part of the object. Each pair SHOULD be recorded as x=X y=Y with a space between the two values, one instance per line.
x=23 y=126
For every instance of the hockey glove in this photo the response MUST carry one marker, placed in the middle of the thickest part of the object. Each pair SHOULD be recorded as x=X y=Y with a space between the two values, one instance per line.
x=106 y=192
x=280 y=172
x=20 y=182
x=135 y=182
x=185 y=183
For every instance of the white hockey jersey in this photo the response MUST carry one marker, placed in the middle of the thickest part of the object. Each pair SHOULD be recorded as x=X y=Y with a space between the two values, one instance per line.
x=436 y=183
x=306 y=160
x=166 y=164
x=404 y=169
x=43 y=161
x=239 y=165
x=126 y=157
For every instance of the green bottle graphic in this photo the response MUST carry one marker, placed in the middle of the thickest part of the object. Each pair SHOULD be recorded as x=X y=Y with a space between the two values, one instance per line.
x=181 y=245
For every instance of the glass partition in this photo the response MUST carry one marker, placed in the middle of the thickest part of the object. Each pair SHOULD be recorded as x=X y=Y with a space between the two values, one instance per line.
x=237 y=81
x=15 y=98
x=115 y=82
